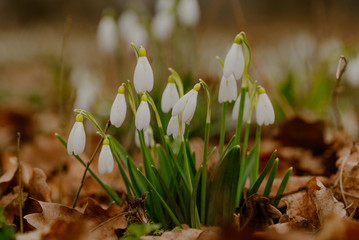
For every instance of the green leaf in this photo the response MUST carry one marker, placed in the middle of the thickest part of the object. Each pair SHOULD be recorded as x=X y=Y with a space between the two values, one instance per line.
x=136 y=231
x=282 y=186
x=178 y=81
x=222 y=189
x=6 y=231
x=163 y=202
x=195 y=222
x=119 y=149
x=271 y=178
x=261 y=177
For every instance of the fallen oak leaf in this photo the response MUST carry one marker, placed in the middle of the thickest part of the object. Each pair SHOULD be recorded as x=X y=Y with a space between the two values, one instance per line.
x=10 y=203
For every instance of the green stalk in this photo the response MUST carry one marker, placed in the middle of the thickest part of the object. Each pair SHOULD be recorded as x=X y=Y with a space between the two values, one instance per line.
x=223 y=127
x=186 y=166
x=240 y=116
x=256 y=157
x=282 y=187
x=242 y=165
x=271 y=178
x=205 y=152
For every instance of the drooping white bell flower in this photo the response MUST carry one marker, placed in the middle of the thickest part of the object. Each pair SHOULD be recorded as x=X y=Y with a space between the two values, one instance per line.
x=234 y=61
x=143 y=76
x=119 y=108
x=264 y=109
x=77 y=138
x=162 y=25
x=148 y=135
x=227 y=89
x=173 y=127
x=245 y=110
x=105 y=160
x=170 y=95
x=107 y=35
x=186 y=105
x=352 y=71
x=189 y=12
x=143 y=115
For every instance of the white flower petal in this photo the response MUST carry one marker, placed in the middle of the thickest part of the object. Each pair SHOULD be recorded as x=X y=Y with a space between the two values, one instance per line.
x=264 y=110
x=245 y=110
x=234 y=62
x=118 y=110
x=173 y=127
x=143 y=76
x=107 y=35
x=190 y=108
x=162 y=25
x=143 y=116
x=181 y=103
x=227 y=89
x=149 y=140
x=169 y=97
x=105 y=160
x=77 y=139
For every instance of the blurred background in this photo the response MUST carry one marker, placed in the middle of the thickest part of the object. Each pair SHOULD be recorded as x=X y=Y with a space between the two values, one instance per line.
x=55 y=57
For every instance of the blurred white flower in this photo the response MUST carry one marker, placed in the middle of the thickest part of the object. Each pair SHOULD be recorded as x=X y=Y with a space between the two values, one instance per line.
x=188 y=12
x=119 y=108
x=162 y=25
x=170 y=96
x=77 y=138
x=105 y=160
x=173 y=127
x=107 y=35
x=87 y=87
x=143 y=76
x=131 y=29
x=148 y=135
x=164 y=5
x=245 y=110
x=186 y=105
x=227 y=89
x=352 y=71
x=264 y=109
x=234 y=61
x=143 y=116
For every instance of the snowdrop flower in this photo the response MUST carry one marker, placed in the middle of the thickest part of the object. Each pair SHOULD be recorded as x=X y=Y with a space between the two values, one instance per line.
x=148 y=135
x=264 y=109
x=105 y=160
x=245 y=110
x=170 y=95
x=227 y=89
x=164 y=5
x=107 y=35
x=173 y=127
x=77 y=138
x=143 y=76
x=234 y=61
x=188 y=12
x=352 y=71
x=119 y=108
x=143 y=116
x=186 y=105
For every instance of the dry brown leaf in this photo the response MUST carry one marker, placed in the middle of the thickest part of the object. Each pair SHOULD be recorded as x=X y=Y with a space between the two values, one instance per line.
x=347 y=179
x=38 y=188
x=10 y=203
x=339 y=228
x=186 y=234
x=326 y=204
x=6 y=178
x=61 y=229
x=50 y=213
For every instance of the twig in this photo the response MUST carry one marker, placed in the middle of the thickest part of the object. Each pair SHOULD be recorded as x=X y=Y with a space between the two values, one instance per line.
x=342 y=65
x=341 y=180
x=105 y=222
x=88 y=165
x=20 y=182
x=61 y=101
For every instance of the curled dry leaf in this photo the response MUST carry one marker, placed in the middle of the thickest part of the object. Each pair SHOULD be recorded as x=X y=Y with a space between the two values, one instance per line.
x=347 y=179
x=38 y=188
x=10 y=203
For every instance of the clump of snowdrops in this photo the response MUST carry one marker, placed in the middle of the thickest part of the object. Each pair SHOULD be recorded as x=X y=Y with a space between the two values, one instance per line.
x=178 y=192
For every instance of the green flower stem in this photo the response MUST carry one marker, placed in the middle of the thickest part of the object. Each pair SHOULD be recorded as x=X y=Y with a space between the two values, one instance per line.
x=90 y=117
x=178 y=80
x=135 y=49
x=271 y=178
x=240 y=116
x=131 y=97
x=186 y=166
x=241 y=166
x=89 y=163
x=282 y=187
x=223 y=128
x=205 y=151
x=110 y=192
x=256 y=156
